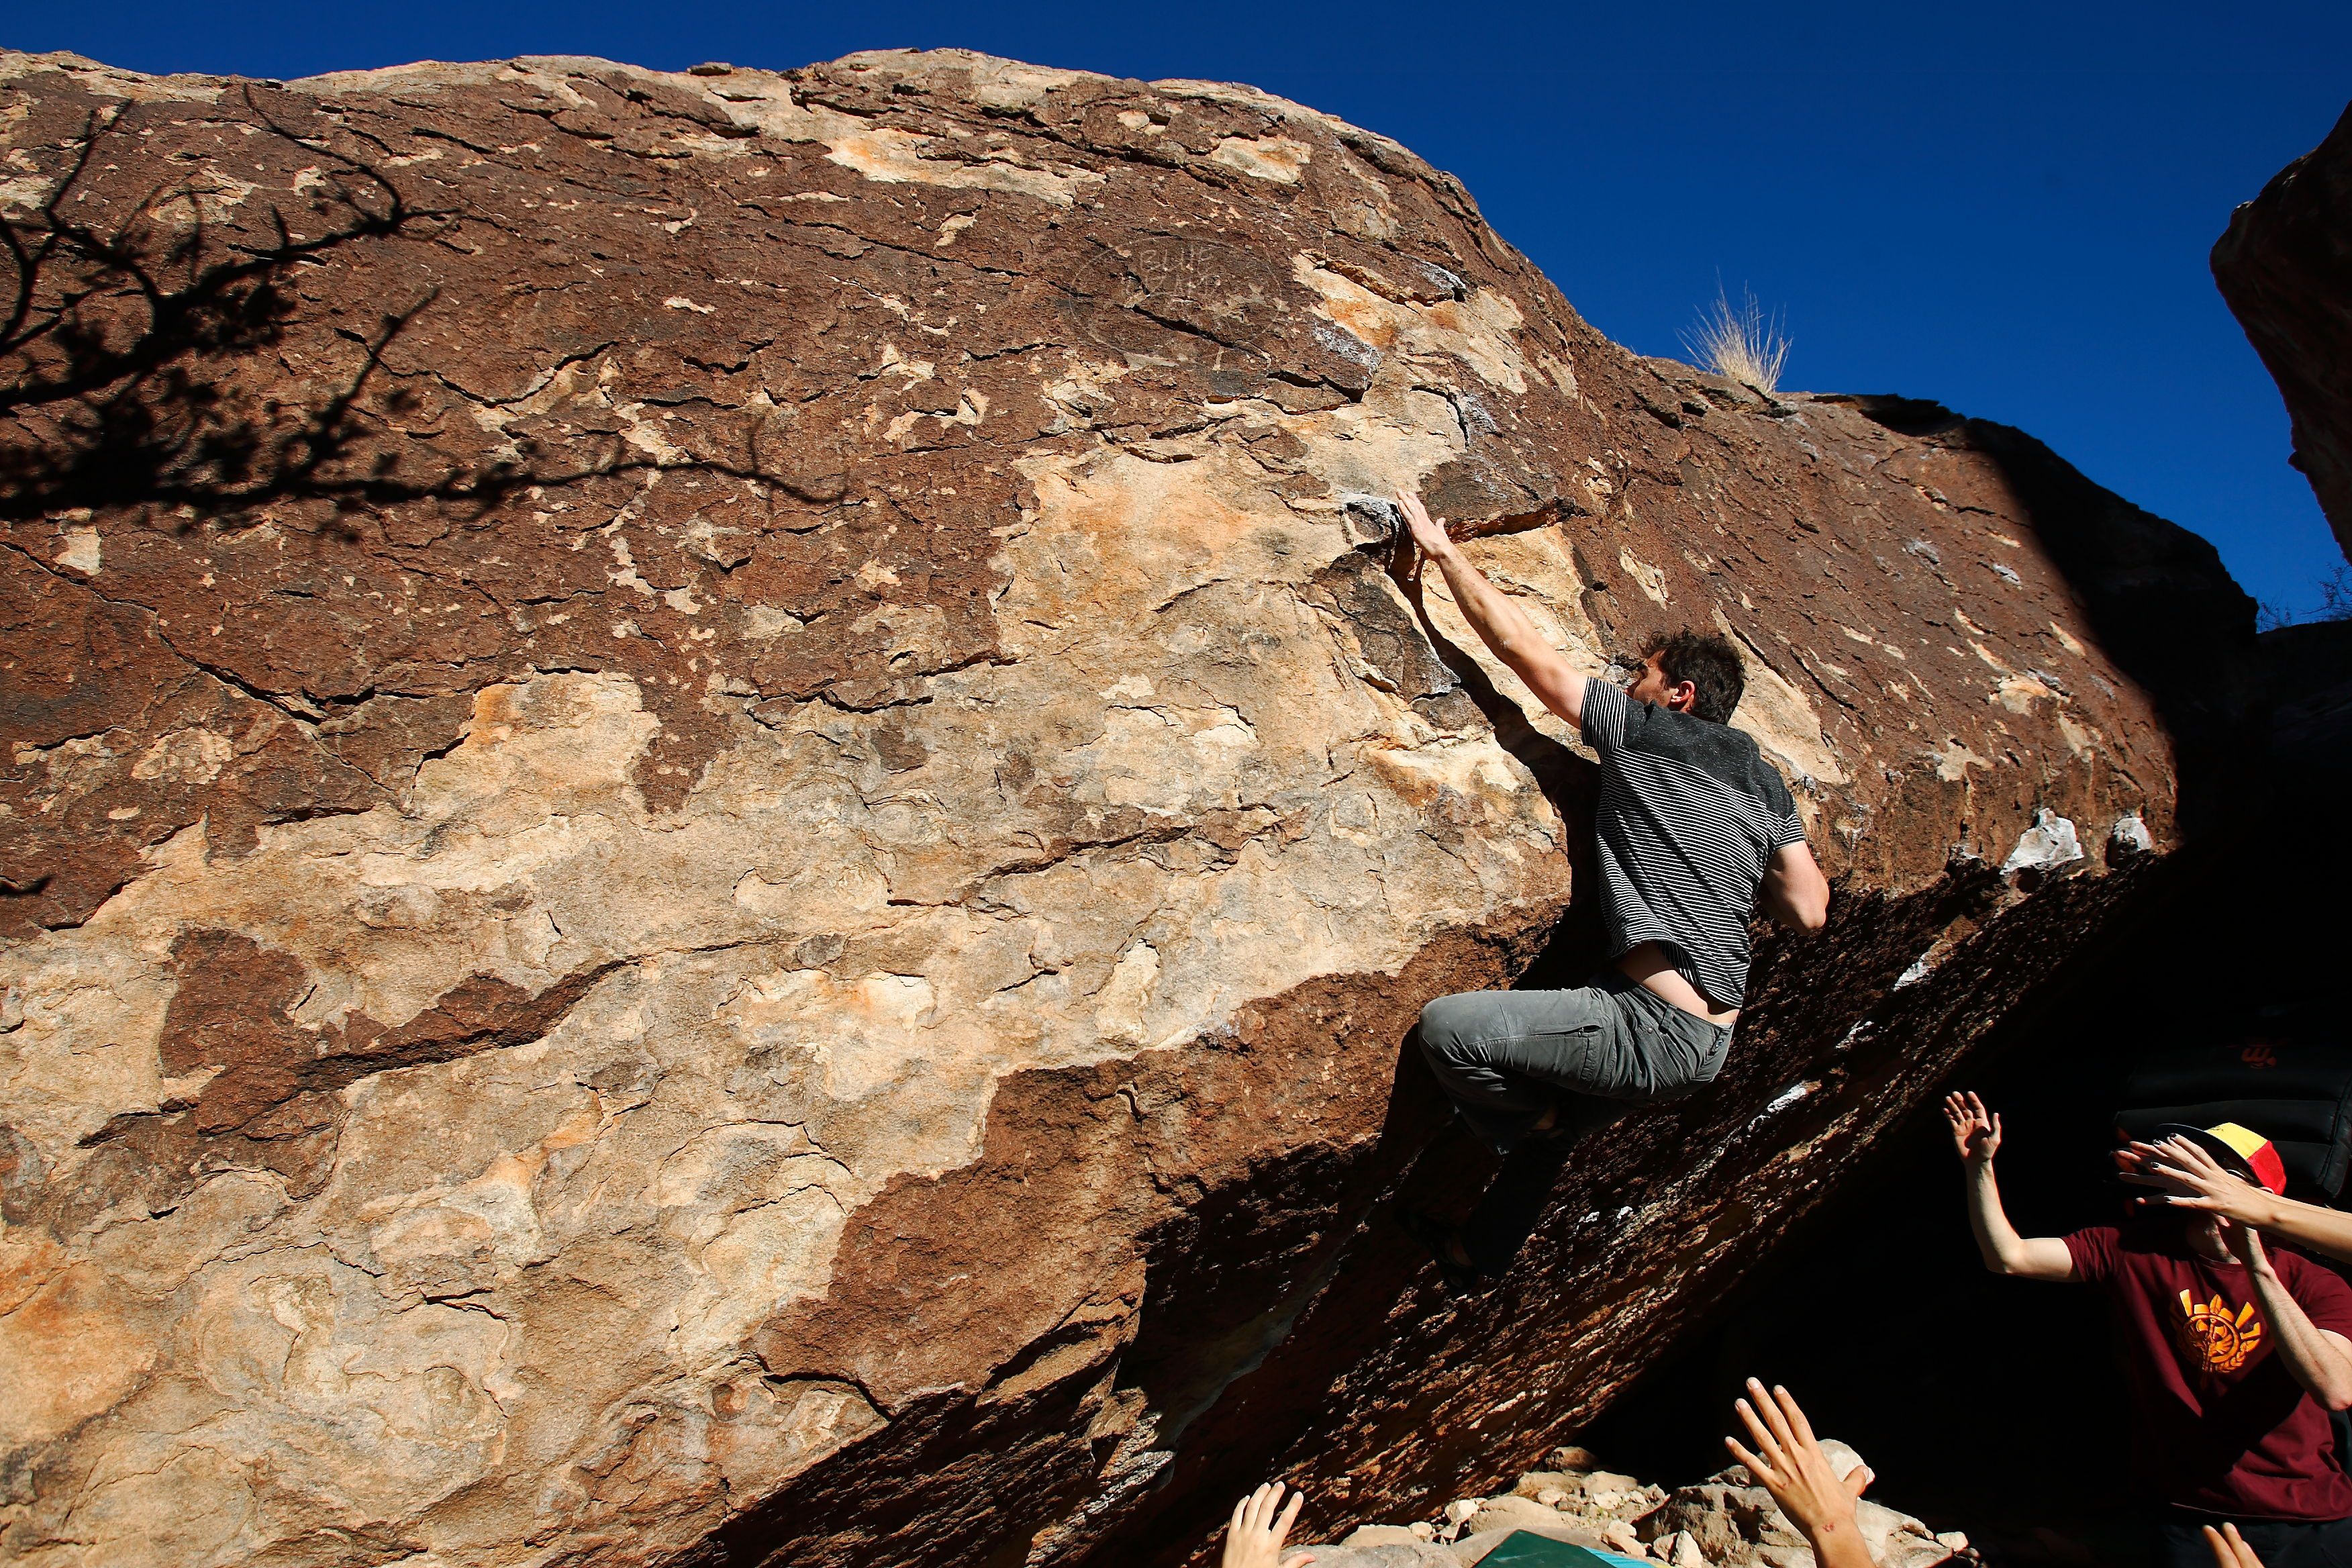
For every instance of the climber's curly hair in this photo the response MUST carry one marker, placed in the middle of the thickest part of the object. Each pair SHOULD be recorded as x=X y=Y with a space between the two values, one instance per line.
x=1710 y=664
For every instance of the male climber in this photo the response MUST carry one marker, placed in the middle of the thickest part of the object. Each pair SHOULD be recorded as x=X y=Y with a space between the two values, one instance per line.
x=1692 y=824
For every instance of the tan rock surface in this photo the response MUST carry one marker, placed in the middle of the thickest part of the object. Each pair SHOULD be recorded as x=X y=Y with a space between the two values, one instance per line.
x=714 y=844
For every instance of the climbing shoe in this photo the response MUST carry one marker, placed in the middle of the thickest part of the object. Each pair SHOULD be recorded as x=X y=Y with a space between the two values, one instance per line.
x=1439 y=1240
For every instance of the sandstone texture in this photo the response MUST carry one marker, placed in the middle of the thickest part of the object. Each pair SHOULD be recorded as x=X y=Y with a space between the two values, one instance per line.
x=718 y=836
x=2284 y=265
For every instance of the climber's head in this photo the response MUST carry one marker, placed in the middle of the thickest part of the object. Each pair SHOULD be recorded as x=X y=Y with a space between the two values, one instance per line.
x=1691 y=672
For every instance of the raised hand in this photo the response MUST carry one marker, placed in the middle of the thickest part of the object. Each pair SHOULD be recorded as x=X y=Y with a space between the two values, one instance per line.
x=2191 y=1178
x=1260 y=1525
x=2230 y=1549
x=1976 y=1131
x=1788 y=1463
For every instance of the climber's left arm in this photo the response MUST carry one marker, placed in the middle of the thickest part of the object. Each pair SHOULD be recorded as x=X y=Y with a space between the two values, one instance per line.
x=1795 y=893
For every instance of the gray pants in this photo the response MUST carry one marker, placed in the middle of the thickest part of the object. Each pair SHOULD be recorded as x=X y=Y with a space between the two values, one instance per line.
x=1506 y=1057
x=1503 y=1056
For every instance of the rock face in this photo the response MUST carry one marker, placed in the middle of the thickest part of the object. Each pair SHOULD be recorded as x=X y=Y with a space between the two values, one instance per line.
x=2285 y=266
x=718 y=841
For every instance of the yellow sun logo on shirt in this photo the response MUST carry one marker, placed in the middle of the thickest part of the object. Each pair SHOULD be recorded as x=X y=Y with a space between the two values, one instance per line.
x=2209 y=1333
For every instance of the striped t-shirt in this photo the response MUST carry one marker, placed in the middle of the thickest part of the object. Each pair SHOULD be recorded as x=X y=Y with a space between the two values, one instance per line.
x=1690 y=814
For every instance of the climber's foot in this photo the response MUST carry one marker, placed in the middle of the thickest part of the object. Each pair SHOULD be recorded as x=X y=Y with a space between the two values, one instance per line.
x=1549 y=1120
x=1444 y=1244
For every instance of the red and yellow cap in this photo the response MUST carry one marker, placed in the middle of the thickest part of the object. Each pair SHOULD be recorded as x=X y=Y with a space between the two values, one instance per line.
x=2241 y=1150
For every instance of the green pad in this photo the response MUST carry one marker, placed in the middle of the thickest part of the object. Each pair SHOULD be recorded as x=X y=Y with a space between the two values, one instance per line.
x=1523 y=1549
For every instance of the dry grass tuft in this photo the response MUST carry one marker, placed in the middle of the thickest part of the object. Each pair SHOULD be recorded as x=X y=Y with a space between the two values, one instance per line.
x=1739 y=340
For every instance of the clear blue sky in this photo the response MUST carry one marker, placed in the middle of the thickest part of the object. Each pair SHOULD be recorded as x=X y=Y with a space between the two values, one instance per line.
x=2005 y=207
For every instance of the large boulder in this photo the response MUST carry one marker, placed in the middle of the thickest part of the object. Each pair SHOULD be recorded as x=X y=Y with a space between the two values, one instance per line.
x=2284 y=265
x=718 y=838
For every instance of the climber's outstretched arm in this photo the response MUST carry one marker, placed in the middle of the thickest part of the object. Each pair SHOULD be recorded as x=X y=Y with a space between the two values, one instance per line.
x=1499 y=623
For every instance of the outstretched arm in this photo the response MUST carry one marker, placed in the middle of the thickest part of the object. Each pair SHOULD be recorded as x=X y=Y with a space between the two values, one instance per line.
x=2229 y=1550
x=1261 y=1523
x=1788 y=1463
x=1795 y=892
x=1499 y=623
x=2193 y=1179
x=1977 y=1135
x=2319 y=1360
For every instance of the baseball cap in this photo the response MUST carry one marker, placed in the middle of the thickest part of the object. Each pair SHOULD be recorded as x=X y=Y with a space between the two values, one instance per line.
x=2241 y=1150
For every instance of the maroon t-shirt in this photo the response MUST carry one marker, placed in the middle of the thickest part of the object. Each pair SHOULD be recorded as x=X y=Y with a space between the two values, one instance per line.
x=2222 y=1426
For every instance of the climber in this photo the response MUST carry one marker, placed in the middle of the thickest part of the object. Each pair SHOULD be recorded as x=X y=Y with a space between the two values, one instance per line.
x=1692 y=825
x=2234 y=1356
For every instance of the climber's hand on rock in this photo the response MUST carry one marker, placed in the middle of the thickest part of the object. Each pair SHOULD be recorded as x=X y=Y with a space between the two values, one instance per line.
x=1260 y=1525
x=1788 y=1463
x=2229 y=1548
x=1976 y=1131
x=1428 y=533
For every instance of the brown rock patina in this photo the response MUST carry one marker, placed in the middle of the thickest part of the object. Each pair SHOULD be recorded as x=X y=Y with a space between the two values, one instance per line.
x=2284 y=265
x=717 y=845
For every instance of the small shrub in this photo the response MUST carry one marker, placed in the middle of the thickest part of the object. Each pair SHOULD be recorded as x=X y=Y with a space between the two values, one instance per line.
x=1739 y=340
x=2336 y=595
x=2334 y=605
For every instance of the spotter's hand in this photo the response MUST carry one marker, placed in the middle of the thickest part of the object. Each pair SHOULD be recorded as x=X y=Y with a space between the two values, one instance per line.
x=1976 y=1131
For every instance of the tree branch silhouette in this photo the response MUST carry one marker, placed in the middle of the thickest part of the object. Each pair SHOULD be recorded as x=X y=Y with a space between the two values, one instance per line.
x=125 y=340
x=120 y=336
